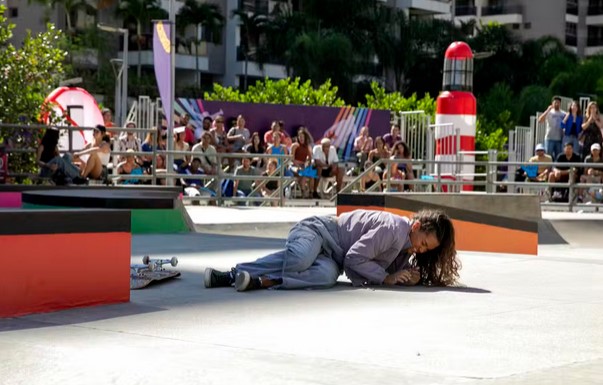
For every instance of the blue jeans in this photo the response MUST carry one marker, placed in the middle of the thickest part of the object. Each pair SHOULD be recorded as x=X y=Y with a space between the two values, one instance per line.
x=553 y=148
x=302 y=265
x=573 y=139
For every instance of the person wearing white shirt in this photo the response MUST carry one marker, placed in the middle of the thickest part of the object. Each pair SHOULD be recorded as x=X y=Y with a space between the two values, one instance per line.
x=326 y=164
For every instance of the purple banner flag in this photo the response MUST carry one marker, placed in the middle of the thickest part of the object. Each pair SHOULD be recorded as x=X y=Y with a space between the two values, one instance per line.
x=162 y=30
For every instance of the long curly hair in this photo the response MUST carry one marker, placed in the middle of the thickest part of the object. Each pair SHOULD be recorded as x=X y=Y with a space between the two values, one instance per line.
x=440 y=266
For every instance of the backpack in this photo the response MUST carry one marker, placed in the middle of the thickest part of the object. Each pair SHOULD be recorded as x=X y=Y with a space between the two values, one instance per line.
x=227 y=188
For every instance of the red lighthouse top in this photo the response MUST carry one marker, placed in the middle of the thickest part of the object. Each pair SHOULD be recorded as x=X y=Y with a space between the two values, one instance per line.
x=459 y=50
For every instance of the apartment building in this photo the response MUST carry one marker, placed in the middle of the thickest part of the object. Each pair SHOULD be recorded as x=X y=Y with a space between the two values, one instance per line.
x=578 y=23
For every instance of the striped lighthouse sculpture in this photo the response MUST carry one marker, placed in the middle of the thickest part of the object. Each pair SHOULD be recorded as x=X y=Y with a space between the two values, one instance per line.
x=455 y=115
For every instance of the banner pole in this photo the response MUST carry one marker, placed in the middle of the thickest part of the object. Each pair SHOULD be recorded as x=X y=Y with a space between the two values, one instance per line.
x=170 y=119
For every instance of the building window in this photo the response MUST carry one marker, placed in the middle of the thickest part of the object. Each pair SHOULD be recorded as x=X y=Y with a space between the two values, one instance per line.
x=527 y=25
x=570 y=34
x=572 y=7
x=595 y=7
x=13 y=12
x=515 y=25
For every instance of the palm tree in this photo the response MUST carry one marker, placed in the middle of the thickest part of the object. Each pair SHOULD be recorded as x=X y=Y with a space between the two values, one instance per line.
x=200 y=14
x=142 y=12
x=68 y=7
x=252 y=25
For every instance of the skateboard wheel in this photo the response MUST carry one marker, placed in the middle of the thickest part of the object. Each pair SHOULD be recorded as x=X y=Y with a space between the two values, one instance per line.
x=174 y=261
x=146 y=259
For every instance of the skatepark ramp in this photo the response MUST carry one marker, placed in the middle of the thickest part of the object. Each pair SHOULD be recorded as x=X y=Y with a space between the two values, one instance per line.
x=497 y=223
x=154 y=210
x=59 y=259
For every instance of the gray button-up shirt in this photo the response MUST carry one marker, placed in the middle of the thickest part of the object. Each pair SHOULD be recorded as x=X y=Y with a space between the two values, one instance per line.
x=372 y=242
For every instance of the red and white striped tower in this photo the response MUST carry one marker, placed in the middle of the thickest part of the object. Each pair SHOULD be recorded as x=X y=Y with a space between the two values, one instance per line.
x=456 y=110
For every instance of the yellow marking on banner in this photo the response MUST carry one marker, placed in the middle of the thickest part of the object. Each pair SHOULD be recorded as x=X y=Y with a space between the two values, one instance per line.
x=165 y=41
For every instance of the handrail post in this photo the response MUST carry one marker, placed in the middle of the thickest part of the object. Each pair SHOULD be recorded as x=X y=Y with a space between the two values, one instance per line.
x=219 y=180
x=570 y=196
x=281 y=175
x=154 y=160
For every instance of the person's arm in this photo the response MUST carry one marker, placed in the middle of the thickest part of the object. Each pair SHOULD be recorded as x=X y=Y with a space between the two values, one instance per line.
x=587 y=122
x=542 y=116
x=598 y=122
x=564 y=121
x=87 y=151
x=39 y=156
x=235 y=186
x=360 y=258
x=294 y=148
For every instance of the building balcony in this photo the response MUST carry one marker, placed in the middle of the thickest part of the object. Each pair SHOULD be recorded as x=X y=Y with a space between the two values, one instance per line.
x=503 y=14
x=594 y=19
x=424 y=7
x=594 y=45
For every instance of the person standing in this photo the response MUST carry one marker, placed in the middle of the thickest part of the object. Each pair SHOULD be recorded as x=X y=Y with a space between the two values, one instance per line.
x=591 y=129
x=554 y=133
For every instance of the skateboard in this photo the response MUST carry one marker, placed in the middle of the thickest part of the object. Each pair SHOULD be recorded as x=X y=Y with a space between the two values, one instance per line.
x=150 y=271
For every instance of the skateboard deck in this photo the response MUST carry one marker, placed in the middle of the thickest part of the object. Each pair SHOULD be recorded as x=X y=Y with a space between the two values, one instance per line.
x=151 y=271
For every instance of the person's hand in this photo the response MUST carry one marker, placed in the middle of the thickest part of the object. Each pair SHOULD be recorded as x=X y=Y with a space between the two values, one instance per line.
x=53 y=167
x=407 y=277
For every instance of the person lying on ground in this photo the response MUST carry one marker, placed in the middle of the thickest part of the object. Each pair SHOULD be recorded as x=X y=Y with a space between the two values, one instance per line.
x=372 y=247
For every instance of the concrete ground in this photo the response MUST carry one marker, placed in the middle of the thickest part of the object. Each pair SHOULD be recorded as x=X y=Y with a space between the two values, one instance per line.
x=515 y=320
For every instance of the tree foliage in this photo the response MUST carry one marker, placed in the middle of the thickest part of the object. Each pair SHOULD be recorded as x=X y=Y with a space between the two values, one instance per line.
x=284 y=91
x=27 y=75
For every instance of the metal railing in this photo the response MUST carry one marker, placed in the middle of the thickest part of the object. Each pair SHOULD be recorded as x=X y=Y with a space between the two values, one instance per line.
x=439 y=180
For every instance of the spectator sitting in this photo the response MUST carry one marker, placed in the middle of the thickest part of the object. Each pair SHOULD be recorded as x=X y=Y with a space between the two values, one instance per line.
x=363 y=144
x=326 y=164
x=543 y=171
x=219 y=140
x=98 y=151
x=270 y=186
x=277 y=148
x=561 y=174
x=370 y=178
x=392 y=137
x=256 y=147
x=244 y=187
x=60 y=170
x=181 y=161
x=380 y=151
x=108 y=119
x=592 y=174
x=195 y=186
x=189 y=130
x=206 y=153
x=275 y=128
x=129 y=141
x=130 y=167
x=301 y=151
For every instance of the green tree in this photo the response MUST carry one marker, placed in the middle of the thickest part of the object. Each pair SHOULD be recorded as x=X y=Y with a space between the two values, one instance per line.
x=200 y=14
x=28 y=75
x=142 y=12
x=284 y=91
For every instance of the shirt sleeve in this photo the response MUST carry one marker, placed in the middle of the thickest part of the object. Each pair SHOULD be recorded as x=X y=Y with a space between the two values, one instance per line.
x=360 y=257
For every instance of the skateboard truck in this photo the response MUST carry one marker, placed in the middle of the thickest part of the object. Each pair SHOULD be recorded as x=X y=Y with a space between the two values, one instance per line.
x=151 y=270
x=154 y=264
